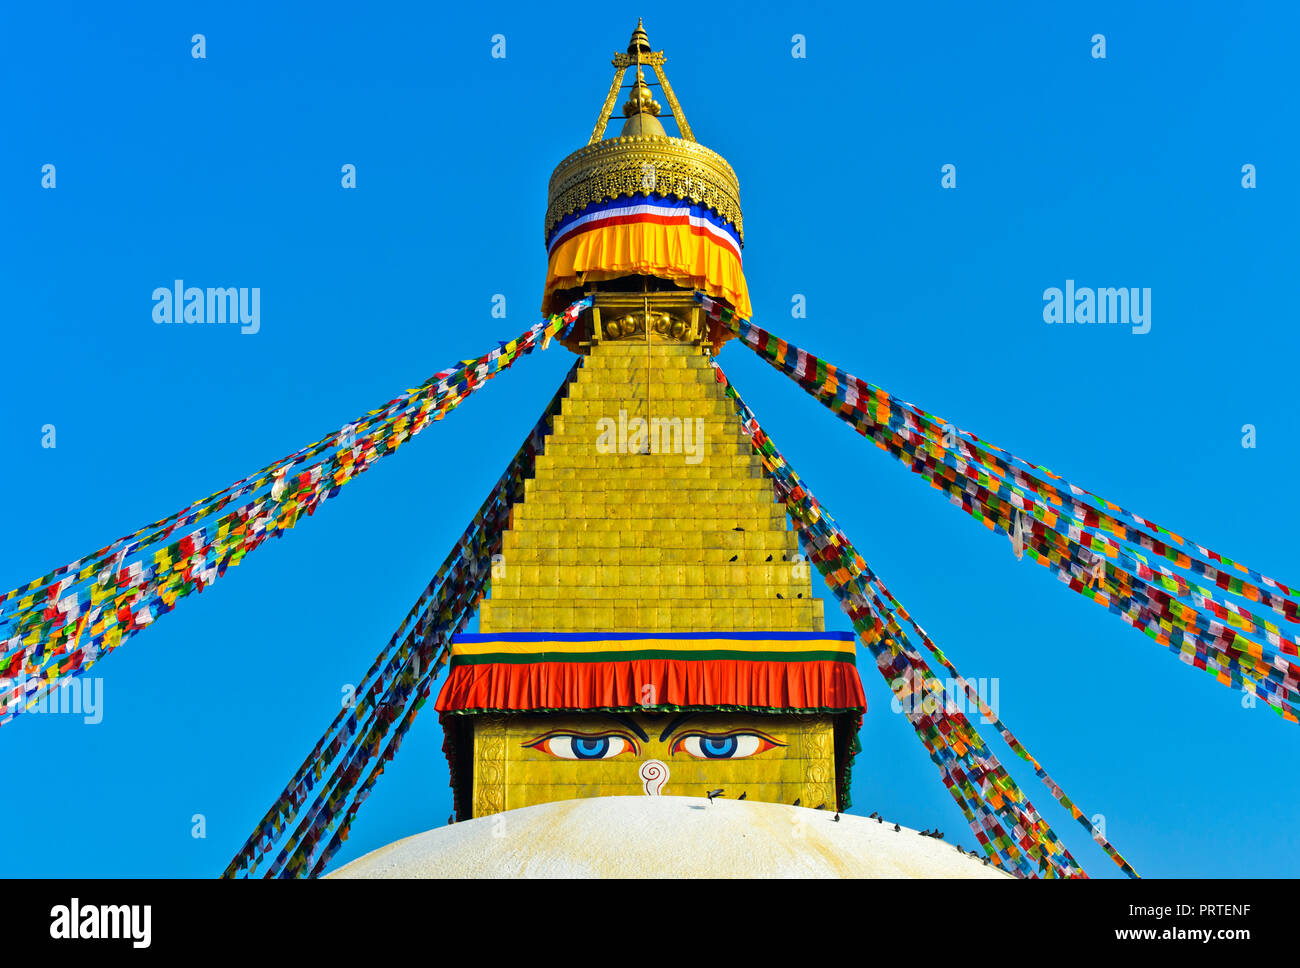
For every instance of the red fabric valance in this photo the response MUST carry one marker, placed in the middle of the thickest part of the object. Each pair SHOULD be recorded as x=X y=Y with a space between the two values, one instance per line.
x=824 y=685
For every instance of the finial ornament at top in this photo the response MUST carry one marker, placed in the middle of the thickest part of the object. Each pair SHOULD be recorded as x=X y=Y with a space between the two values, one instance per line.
x=640 y=56
x=639 y=42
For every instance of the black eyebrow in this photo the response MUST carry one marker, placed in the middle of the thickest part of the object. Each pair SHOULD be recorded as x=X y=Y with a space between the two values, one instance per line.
x=674 y=723
x=630 y=724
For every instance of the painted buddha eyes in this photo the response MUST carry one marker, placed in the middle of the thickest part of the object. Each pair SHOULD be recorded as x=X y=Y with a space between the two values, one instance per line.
x=727 y=746
x=734 y=745
x=578 y=746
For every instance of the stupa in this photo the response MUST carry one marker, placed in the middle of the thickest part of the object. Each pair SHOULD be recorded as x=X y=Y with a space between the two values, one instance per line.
x=651 y=626
x=651 y=646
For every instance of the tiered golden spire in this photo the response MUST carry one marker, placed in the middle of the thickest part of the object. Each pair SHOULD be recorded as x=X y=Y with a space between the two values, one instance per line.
x=640 y=56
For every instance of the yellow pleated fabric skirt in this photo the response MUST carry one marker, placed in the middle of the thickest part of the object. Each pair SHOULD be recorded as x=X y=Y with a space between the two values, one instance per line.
x=685 y=254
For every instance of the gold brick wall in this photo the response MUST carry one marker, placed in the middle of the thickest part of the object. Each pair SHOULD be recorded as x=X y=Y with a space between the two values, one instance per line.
x=606 y=540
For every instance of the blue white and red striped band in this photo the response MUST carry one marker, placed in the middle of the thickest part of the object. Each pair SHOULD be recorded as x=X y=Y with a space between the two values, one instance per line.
x=645 y=209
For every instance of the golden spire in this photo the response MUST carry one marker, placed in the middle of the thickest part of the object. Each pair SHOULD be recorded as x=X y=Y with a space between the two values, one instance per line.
x=640 y=56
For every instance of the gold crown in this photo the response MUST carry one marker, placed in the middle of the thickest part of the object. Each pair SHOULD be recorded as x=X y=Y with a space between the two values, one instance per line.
x=643 y=158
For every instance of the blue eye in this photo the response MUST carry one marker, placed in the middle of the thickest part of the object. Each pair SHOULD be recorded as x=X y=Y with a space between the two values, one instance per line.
x=590 y=747
x=571 y=746
x=718 y=747
x=736 y=746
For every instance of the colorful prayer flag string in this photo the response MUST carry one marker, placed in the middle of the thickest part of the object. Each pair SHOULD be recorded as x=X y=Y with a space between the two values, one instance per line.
x=978 y=783
x=60 y=624
x=392 y=691
x=1063 y=531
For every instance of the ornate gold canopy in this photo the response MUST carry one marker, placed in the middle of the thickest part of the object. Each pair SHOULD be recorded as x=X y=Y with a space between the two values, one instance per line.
x=643 y=158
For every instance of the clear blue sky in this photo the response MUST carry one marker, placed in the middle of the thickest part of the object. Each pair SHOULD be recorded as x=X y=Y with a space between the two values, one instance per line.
x=225 y=172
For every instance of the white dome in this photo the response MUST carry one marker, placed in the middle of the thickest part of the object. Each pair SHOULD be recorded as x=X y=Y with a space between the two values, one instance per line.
x=667 y=837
